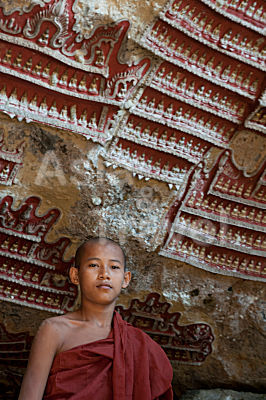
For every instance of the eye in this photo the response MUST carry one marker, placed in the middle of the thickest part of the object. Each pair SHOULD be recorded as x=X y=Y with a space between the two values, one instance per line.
x=115 y=267
x=93 y=265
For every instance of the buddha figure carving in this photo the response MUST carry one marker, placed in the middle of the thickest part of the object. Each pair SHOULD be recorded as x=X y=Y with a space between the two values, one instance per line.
x=160 y=108
x=178 y=114
x=64 y=78
x=163 y=138
x=46 y=70
x=73 y=81
x=37 y=70
x=154 y=135
x=160 y=74
x=28 y=65
x=169 y=111
x=17 y=62
x=173 y=45
x=7 y=57
x=146 y=132
x=100 y=59
x=168 y=77
x=151 y=105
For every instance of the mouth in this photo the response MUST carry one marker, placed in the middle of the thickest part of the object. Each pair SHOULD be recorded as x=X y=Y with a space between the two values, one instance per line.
x=104 y=286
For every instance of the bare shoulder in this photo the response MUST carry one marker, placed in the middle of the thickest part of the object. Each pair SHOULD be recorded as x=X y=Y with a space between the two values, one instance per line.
x=54 y=325
x=52 y=329
x=54 y=322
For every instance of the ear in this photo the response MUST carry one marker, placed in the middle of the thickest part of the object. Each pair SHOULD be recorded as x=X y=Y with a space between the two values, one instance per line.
x=127 y=278
x=74 y=275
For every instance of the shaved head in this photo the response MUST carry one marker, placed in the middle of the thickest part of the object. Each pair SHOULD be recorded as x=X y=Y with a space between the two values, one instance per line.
x=101 y=240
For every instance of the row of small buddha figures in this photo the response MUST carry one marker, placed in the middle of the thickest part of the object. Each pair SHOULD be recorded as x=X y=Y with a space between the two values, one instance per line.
x=184 y=355
x=260 y=194
x=146 y=163
x=150 y=306
x=255 y=49
x=67 y=114
x=163 y=338
x=185 y=116
x=170 y=336
x=170 y=140
x=5 y=171
x=226 y=185
x=260 y=116
x=21 y=272
x=205 y=62
x=15 y=246
x=187 y=247
x=207 y=96
x=54 y=78
x=252 y=9
x=179 y=82
x=226 y=209
x=34 y=276
x=211 y=28
x=31 y=250
x=223 y=233
x=29 y=294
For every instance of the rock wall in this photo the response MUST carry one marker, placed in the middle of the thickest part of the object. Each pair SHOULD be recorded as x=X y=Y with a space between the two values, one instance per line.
x=153 y=137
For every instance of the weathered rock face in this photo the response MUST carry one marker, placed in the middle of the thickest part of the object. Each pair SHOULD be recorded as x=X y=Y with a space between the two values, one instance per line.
x=220 y=395
x=164 y=166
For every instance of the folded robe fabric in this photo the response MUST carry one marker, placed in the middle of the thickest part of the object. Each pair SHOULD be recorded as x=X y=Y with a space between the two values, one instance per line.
x=127 y=365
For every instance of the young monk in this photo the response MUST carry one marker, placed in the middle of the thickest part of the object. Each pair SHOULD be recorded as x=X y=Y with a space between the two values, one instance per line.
x=92 y=353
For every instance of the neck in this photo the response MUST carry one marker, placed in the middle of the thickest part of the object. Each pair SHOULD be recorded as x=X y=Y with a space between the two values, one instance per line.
x=98 y=314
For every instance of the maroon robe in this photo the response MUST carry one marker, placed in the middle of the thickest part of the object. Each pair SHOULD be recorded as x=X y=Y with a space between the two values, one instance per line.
x=127 y=365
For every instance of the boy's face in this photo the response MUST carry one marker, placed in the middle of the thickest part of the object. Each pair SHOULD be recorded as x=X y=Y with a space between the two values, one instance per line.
x=101 y=274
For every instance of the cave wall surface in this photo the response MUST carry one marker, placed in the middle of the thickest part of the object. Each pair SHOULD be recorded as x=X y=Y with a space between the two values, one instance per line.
x=143 y=122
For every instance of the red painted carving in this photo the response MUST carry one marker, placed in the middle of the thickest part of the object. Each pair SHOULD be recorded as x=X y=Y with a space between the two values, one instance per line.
x=231 y=183
x=62 y=75
x=14 y=348
x=189 y=344
x=92 y=120
x=247 y=12
x=14 y=354
x=184 y=86
x=48 y=72
x=32 y=271
x=183 y=51
x=257 y=119
x=10 y=162
x=55 y=30
x=205 y=25
x=184 y=117
x=159 y=137
x=159 y=118
x=215 y=258
x=222 y=232
x=149 y=162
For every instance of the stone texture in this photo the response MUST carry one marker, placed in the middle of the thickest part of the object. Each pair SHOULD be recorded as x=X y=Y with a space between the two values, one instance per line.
x=220 y=394
x=232 y=307
x=68 y=172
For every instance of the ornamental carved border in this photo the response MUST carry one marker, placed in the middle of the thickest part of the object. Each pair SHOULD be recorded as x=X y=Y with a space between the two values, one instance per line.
x=10 y=162
x=186 y=344
x=220 y=231
x=200 y=22
x=33 y=272
x=14 y=348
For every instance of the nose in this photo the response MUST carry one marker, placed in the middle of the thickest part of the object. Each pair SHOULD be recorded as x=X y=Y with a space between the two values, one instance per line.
x=104 y=272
